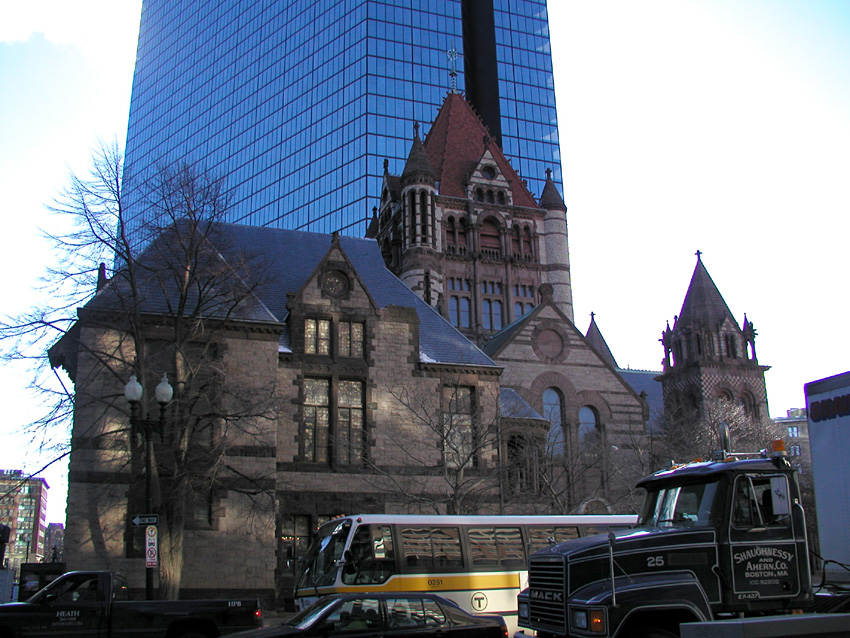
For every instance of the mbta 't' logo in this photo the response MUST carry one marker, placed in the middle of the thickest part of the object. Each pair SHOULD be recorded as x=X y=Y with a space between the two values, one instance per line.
x=479 y=601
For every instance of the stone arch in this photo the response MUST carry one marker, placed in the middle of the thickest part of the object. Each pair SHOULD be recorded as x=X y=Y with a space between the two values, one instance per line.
x=595 y=400
x=553 y=379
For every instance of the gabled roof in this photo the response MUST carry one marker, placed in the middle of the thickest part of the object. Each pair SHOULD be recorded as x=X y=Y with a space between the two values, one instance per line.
x=703 y=301
x=288 y=258
x=456 y=143
x=495 y=343
x=594 y=338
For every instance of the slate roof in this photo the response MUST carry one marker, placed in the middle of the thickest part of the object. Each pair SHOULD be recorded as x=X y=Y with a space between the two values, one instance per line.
x=512 y=405
x=455 y=145
x=289 y=258
x=595 y=338
x=703 y=301
x=645 y=381
x=551 y=199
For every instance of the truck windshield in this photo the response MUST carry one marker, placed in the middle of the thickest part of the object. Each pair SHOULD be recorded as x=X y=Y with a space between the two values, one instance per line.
x=320 y=565
x=689 y=505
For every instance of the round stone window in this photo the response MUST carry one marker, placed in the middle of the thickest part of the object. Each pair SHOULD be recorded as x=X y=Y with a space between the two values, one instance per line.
x=550 y=343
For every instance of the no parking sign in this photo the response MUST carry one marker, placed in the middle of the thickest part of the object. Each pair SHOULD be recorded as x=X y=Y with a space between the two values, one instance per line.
x=151 y=549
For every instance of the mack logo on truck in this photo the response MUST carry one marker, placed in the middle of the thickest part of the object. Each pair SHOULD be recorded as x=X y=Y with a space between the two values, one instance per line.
x=547 y=596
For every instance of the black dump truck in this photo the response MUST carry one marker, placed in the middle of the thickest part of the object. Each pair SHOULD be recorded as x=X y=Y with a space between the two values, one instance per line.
x=723 y=539
x=95 y=605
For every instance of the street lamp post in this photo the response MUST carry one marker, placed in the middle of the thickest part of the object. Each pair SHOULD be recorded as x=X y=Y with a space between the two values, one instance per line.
x=133 y=393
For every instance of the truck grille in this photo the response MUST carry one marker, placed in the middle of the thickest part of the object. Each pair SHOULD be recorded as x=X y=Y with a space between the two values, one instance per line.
x=546 y=592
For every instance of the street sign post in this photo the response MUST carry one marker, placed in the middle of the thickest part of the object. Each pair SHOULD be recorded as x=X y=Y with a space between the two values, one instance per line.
x=151 y=548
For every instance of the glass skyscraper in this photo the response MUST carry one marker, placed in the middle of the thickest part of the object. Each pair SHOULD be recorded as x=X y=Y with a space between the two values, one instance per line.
x=298 y=102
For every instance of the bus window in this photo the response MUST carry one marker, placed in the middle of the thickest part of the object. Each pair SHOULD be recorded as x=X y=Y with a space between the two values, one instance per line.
x=496 y=546
x=540 y=537
x=431 y=547
x=372 y=559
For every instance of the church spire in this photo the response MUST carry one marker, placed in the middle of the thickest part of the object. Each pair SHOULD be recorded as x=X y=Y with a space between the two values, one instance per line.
x=708 y=357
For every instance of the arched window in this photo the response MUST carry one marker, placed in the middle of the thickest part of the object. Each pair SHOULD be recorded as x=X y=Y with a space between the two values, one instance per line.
x=516 y=242
x=479 y=195
x=588 y=424
x=731 y=347
x=461 y=236
x=553 y=411
x=424 y=214
x=526 y=243
x=451 y=235
x=490 y=237
x=491 y=198
x=411 y=202
x=501 y=198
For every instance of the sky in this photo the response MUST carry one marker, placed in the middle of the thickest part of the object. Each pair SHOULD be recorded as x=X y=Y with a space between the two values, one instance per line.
x=714 y=125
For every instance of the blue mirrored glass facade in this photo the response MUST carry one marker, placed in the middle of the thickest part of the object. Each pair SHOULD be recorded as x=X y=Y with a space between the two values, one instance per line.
x=298 y=102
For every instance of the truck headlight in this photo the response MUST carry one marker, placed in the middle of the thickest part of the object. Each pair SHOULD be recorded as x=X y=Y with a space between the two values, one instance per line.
x=580 y=619
x=592 y=620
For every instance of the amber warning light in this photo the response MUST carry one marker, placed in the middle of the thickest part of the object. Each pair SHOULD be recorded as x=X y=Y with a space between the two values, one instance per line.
x=779 y=448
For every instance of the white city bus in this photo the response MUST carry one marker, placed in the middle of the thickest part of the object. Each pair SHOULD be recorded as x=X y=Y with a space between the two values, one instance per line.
x=480 y=562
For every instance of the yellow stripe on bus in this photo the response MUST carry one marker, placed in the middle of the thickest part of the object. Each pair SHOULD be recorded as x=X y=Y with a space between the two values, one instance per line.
x=424 y=582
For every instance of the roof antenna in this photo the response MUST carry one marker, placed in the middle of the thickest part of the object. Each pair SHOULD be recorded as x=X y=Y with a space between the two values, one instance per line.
x=452 y=55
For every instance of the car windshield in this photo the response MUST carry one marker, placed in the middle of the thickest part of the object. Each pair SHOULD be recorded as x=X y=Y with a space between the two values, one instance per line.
x=307 y=617
x=689 y=505
x=320 y=565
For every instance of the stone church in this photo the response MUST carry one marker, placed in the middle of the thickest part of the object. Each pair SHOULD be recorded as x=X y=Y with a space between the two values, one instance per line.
x=433 y=366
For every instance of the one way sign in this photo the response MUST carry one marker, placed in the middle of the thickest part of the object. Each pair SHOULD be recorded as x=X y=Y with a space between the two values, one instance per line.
x=145 y=519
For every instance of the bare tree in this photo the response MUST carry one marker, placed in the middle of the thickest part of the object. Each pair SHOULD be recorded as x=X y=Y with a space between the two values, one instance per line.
x=689 y=434
x=167 y=293
x=441 y=455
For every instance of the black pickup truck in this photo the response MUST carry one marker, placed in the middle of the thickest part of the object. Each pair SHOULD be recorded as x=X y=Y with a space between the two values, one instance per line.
x=95 y=605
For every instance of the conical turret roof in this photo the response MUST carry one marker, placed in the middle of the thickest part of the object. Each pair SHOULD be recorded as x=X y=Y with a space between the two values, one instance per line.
x=703 y=301
x=418 y=165
x=551 y=199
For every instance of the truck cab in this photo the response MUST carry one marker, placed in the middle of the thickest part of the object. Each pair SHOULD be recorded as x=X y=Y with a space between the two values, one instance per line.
x=714 y=539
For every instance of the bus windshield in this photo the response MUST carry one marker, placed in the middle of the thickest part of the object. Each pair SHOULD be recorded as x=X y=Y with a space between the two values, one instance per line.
x=319 y=566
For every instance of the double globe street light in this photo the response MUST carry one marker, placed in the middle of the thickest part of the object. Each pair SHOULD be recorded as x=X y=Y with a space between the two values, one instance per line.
x=133 y=392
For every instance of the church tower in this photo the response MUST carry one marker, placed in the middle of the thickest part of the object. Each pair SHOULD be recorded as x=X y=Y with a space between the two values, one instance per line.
x=708 y=357
x=462 y=230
